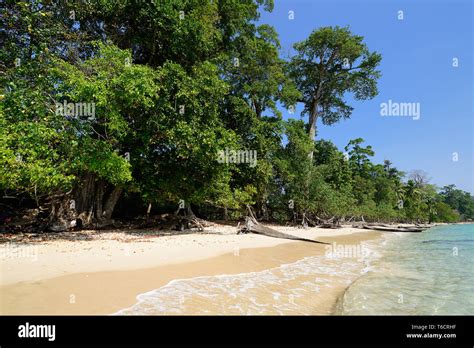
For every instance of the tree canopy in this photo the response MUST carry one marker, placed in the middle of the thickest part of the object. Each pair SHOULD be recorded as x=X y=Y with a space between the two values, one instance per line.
x=330 y=63
x=113 y=109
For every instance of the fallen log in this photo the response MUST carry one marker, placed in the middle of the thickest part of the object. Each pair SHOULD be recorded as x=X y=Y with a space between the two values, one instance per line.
x=394 y=229
x=378 y=224
x=253 y=226
x=270 y=232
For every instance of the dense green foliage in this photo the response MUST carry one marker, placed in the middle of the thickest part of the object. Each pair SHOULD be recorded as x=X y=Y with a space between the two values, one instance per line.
x=173 y=85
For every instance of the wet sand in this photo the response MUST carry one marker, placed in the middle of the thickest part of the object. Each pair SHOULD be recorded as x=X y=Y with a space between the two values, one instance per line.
x=108 y=291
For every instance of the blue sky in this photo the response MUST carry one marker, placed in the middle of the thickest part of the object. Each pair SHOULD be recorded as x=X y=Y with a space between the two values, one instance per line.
x=417 y=66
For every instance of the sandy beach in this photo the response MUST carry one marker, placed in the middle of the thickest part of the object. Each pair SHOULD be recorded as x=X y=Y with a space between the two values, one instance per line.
x=103 y=272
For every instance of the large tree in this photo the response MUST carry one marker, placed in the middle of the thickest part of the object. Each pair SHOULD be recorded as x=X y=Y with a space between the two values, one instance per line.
x=328 y=64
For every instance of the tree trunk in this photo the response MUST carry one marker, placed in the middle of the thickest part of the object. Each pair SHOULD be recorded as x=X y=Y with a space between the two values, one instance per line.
x=313 y=117
x=111 y=202
x=85 y=206
x=100 y=196
x=84 y=195
x=265 y=213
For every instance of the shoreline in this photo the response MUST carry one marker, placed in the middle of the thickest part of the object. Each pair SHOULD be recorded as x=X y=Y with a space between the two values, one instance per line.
x=65 y=288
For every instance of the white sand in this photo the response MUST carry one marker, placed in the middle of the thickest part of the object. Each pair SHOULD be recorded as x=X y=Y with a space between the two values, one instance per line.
x=109 y=251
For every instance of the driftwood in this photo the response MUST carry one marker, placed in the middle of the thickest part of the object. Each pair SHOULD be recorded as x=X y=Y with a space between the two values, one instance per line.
x=423 y=225
x=390 y=228
x=188 y=220
x=324 y=221
x=311 y=221
x=253 y=226
x=329 y=223
x=394 y=228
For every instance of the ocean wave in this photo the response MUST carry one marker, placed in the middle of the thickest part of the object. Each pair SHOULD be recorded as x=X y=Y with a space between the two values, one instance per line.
x=287 y=289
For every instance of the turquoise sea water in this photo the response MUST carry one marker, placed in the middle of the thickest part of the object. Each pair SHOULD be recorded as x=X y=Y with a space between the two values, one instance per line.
x=430 y=273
